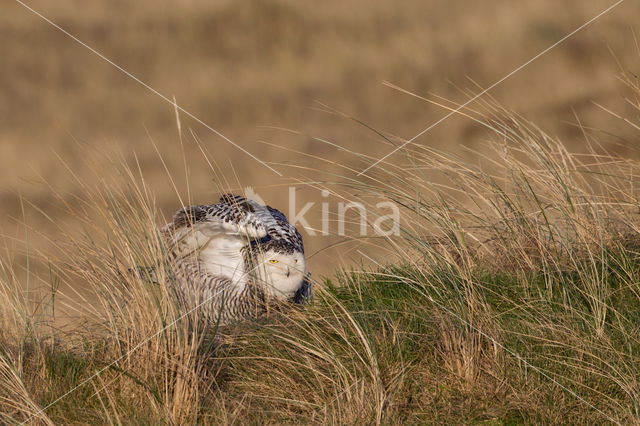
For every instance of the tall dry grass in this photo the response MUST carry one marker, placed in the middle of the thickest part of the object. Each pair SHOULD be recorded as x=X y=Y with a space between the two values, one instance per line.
x=247 y=68
x=512 y=296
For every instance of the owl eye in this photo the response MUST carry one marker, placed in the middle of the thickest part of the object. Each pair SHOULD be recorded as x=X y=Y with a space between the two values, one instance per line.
x=295 y=260
x=273 y=261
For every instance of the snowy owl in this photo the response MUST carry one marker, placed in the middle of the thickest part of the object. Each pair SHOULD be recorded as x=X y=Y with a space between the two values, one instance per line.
x=235 y=258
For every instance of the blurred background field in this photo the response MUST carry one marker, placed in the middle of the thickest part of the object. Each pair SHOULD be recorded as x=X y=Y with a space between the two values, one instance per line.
x=510 y=297
x=261 y=71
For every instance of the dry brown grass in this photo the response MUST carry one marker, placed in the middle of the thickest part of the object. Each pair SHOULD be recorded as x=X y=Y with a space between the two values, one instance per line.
x=525 y=311
x=242 y=66
x=511 y=295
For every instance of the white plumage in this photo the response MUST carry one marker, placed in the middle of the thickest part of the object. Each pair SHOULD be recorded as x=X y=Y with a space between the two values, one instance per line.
x=235 y=258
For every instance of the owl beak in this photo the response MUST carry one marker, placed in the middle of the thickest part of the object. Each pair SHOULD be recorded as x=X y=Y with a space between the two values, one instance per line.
x=288 y=272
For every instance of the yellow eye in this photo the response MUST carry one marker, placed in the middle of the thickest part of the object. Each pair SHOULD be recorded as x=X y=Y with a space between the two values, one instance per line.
x=295 y=260
x=273 y=261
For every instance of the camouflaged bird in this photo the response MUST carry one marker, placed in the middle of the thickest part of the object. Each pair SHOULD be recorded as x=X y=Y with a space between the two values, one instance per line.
x=234 y=259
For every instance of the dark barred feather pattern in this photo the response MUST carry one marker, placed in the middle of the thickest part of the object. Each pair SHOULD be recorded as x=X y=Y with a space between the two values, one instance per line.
x=304 y=294
x=234 y=217
x=243 y=223
x=276 y=223
x=216 y=298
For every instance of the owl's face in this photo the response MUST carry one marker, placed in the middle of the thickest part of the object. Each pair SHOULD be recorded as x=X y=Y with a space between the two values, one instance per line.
x=282 y=273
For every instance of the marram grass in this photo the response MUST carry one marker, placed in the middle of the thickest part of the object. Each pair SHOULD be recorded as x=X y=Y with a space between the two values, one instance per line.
x=513 y=297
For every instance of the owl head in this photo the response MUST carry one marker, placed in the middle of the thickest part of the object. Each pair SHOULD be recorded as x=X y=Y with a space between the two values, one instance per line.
x=280 y=267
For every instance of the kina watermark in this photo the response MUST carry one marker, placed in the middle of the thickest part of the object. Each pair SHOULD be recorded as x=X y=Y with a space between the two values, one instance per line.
x=381 y=219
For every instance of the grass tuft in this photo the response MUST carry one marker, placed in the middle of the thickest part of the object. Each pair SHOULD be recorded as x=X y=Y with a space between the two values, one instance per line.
x=512 y=297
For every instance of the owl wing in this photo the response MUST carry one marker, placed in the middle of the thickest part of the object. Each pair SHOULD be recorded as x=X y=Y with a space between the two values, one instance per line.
x=274 y=221
x=215 y=219
x=214 y=235
x=305 y=292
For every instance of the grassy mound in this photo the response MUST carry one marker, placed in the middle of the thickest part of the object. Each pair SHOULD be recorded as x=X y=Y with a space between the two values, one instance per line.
x=511 y=295
x=389 y=346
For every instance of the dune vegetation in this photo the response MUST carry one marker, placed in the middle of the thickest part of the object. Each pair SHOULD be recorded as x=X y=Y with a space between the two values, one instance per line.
x=256 y=71
x=515 y=299
x=510 y=296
